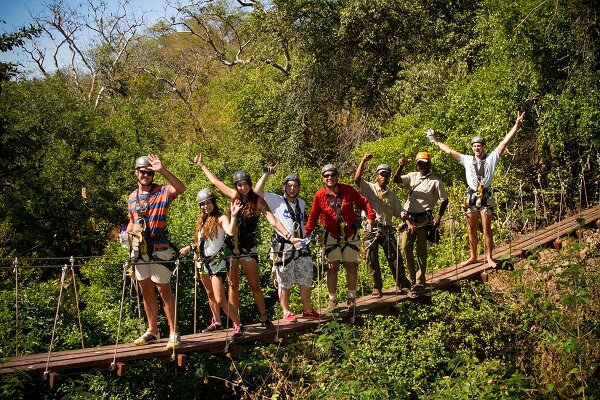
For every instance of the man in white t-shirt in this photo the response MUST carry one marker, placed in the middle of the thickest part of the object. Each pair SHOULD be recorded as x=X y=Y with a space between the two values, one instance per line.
x=479 y=170
x=293 y=265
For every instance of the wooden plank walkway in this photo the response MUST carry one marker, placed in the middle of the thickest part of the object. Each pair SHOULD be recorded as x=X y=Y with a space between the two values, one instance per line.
x=104 y=357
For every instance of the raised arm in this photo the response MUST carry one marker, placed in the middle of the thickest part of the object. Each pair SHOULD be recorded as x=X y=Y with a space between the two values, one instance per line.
x=359 y=169
x=264 y=208
x=445 y=148
x=259 y=188
x=223 y=188
x=229 y=223
x=157 y=165
x=511 y=133
x=398 y=174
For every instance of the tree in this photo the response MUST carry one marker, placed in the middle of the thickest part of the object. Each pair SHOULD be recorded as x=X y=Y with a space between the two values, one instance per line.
x=8 y=41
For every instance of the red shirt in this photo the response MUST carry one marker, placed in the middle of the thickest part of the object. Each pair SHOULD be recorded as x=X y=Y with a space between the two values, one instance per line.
x=321 y=207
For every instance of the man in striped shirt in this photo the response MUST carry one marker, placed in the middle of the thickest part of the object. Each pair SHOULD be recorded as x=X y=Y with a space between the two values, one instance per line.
x=148 y=209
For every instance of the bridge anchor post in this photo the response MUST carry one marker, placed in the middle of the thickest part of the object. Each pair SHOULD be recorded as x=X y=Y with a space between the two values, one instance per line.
x=52 y=378
x=118 y=368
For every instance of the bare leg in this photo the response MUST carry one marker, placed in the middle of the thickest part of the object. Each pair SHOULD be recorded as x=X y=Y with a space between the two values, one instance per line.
x=219 y=294
x=332 y=274
x=164 y=289
x=234 y=284
x=251 y=271
x=305 y=296
x=486 y=222
x=472 y=223
x=212 y=302
x=284 y=298
x=351 y=275
x=150 y=303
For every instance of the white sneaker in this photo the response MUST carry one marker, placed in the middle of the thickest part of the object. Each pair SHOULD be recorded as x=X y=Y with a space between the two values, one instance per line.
x=174 y=341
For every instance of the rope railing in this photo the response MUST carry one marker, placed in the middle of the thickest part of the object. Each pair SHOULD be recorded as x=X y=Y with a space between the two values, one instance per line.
x=97 y=261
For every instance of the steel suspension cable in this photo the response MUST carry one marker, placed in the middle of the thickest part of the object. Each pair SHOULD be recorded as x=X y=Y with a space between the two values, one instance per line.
x=176 y=273
x=195 y=258
x=72 y=260
x=125 y=266
x=62 y=284
x=16 y=264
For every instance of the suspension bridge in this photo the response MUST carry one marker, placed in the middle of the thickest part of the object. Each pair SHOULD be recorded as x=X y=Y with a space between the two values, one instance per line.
x=115 y=358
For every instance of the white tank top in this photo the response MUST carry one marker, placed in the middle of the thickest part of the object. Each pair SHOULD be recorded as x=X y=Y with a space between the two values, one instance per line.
x=214 y=244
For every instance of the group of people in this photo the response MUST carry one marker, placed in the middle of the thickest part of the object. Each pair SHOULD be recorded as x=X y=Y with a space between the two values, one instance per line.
x=223 y=243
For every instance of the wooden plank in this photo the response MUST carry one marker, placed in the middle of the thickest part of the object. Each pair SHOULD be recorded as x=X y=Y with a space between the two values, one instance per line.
x=103 y=357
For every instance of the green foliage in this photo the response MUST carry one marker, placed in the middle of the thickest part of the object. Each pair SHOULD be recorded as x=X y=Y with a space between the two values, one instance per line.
x=8 y=41
x=316 y=82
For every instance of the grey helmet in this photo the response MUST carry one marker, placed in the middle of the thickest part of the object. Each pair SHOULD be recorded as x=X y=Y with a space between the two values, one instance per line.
x=291 y=177
x=383 y=167
x=478 y=139
x=205 y=194
x=241 y=175
x=329 y=167
x=141 y=162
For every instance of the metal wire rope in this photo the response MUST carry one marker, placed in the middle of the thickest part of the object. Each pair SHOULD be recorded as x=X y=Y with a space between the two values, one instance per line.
x=176 y=333
x=16 y=266
x=62 y=284
x=125 y=267
x=72 y=259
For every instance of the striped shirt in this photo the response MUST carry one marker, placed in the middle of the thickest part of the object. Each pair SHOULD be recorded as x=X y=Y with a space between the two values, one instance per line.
x=158 y=208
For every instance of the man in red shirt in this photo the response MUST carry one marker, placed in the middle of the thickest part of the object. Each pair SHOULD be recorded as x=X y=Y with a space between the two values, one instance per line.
x=334 y=203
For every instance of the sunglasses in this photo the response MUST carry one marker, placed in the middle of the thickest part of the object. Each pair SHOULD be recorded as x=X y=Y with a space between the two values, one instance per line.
x=146 y=172
x=327 y=176
x=205 y=203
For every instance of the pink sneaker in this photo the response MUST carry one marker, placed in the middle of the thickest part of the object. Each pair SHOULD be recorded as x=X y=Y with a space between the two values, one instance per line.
x=289 y=317
x=313 y=314
x=238 y=330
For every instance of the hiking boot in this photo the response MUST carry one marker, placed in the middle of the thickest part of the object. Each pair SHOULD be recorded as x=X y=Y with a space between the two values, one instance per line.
x=147 y=338
x=267 y=324
x=377 y=293
x=174 y=341
x=238 y=330
x=214 y=326
x=312 y=314
x=289 y=317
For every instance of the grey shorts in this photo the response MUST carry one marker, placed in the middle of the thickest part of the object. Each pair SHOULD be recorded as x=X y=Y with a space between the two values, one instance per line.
x=295 y=271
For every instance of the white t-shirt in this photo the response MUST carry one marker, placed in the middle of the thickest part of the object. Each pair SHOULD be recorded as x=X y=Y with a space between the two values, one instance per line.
x=471 y=173
x=213 y=245
x=280 y=210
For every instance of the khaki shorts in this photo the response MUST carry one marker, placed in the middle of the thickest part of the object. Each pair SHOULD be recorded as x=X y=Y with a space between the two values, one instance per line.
x=157 y=272
x=350 y=254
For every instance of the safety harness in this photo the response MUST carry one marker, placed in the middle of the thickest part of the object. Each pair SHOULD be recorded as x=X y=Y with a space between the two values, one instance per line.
x=342 y=243
x=278 y=242
x=145 y=239
x=210 y=261
x=477 y=198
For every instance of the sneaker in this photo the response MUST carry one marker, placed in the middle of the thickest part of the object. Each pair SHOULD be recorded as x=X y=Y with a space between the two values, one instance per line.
x=289 y=317
x=238 y=330
x=377 y=293
x=147 y=338
x=174 y=341
x=312 y=314
x=267 y=324
x=214 y=326
x=332 y=303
